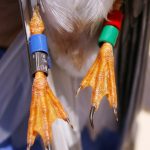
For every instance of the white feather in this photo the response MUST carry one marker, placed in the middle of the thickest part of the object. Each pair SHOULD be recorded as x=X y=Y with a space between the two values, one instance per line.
x=64 y=14
x=72 y=31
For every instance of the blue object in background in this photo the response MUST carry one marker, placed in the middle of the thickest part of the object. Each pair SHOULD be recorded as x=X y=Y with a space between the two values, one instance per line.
x=107 y=140
x=2 y=51
x=36 y=146
x=6 y=145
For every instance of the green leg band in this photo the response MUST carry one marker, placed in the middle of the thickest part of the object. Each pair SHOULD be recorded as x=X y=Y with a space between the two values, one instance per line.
x=109 y=34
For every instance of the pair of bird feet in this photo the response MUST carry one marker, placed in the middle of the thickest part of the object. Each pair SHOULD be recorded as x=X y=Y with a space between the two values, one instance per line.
x=46 y=108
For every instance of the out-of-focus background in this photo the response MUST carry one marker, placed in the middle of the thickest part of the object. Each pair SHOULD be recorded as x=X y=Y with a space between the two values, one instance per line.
x=132 y=55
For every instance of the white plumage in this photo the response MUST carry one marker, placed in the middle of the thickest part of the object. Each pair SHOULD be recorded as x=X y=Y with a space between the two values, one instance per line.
x=72 y=31
x=68 y=14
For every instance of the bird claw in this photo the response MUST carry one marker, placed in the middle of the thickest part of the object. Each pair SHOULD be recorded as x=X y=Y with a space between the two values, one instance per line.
x=69 y=122
x=78 y=91
x=28 y=147
x=116 y=114
x=48 y=147
x=91 y=116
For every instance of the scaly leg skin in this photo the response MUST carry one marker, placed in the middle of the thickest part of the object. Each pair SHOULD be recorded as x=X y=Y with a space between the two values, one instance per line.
x=44 y=110
x=101 y=77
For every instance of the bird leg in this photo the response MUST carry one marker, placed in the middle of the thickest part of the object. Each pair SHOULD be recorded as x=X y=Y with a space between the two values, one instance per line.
x=44 y=110
x=101 y=77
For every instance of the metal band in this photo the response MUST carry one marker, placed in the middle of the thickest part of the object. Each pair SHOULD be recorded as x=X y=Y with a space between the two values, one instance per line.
x=39 y=62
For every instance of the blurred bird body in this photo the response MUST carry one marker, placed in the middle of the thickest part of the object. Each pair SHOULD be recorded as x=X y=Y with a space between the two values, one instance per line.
x=72 y=28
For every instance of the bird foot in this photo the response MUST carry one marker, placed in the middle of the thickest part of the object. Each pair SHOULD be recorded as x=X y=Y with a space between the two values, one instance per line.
x=44 y=110
x=101 y=77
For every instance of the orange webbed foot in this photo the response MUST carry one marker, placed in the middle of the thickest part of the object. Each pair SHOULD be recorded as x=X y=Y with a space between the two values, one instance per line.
x=101 y=77
x=44 y=110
